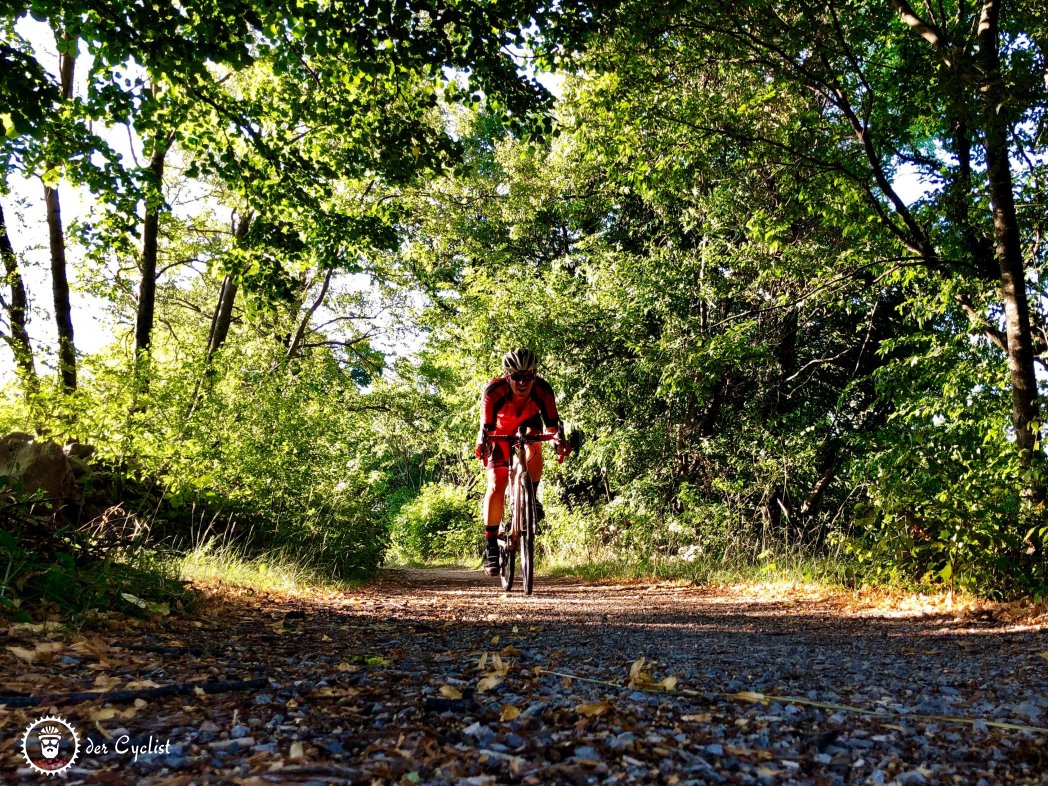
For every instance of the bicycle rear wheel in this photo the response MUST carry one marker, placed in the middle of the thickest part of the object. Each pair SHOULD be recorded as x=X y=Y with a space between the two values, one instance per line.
x=528 y=514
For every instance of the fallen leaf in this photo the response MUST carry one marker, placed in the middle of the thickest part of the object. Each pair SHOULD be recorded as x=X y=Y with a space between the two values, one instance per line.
x=702 y=717
x=495 y=639
x=1044 y=655
x=640 y=673
x=343 y=666
x=103 y=714
x=141 y=684
x=594 y=709
x=330 y=692
x=670 y=683
x=508 y=713
x=510 y=651
x=199 y=691
x=766 y=771
x=298 y=751
x=104 y=683
x=489 y=682
x=498 y=666
x=49 y=647
x=448 y=692
x=140 y=703
x=483 y=661
x=23 y=653
x=134 y=600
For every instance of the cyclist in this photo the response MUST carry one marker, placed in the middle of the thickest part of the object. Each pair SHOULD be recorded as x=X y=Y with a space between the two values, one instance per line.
x=517 y=398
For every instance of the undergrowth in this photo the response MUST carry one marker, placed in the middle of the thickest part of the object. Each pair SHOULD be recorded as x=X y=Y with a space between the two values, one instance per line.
x=277 y=571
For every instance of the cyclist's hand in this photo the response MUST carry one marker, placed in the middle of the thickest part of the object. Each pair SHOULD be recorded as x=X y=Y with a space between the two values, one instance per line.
x=482 y=452
x=563 y=446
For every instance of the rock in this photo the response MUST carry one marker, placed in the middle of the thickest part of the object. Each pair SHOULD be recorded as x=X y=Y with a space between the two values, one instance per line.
x=478 y=731
x=911 y=778
x=716 y=749
x=238 y=731
x=38 y=466
x=79 y=451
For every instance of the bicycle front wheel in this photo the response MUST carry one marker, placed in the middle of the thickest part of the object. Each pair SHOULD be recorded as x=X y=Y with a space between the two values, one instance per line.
x=527 y=511
x=507 y=564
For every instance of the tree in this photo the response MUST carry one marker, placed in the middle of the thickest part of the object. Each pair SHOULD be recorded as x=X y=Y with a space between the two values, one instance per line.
x=17 y=309
x=857 y=92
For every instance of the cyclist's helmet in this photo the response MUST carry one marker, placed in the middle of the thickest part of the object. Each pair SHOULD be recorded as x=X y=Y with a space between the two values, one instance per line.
x=520 y=359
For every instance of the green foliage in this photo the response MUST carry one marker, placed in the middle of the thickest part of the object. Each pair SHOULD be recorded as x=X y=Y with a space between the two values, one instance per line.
x=442 y=522
x=52 y=567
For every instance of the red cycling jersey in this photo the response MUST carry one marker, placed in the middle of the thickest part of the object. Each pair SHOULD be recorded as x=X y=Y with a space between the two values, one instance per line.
x=501 y=413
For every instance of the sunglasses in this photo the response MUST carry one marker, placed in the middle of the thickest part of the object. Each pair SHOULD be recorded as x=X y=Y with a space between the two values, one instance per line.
x=523 y=377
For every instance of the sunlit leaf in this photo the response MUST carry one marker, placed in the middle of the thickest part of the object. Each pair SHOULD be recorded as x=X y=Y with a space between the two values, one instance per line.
x=508 y=713
x=594 y=709
x=449 y=692
x=23 y=653
x=669 y=683
x=134 y=600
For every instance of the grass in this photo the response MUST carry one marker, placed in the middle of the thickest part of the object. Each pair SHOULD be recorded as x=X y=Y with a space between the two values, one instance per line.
x=604 y=563
x=215 y=562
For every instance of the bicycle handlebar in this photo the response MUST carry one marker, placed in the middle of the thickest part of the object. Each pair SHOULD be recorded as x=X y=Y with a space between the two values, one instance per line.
x=545 y=437
x=527 y=439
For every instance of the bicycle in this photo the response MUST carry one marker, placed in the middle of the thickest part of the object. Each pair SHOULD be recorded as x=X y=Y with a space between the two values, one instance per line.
x=523 y=514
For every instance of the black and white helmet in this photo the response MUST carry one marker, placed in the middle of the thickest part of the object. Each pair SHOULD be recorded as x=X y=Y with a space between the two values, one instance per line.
x=520 y=359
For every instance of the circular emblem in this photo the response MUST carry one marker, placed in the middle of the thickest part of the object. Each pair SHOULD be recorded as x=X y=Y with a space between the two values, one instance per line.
x=50 y=745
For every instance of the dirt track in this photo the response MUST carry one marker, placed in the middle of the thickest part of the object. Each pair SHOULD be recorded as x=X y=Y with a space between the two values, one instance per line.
x=437 y=677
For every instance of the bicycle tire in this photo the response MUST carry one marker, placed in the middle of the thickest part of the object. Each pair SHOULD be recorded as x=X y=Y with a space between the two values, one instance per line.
x=507 y=565
x=527 y=533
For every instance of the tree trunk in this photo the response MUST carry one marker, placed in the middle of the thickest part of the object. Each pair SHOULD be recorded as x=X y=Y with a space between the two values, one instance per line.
x=150 y=241
x=1025 y=404
x=17 y=310
x=223 y=317
x=60 y=290
x=56 y=236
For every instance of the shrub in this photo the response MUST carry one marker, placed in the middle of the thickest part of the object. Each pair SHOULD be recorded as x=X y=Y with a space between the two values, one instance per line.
x=440 y=523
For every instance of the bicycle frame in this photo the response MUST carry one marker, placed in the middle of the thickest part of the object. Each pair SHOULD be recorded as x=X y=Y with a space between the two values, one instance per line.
x=520 y=534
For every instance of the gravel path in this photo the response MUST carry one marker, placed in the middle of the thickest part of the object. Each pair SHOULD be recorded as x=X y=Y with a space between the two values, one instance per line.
x=435 y=677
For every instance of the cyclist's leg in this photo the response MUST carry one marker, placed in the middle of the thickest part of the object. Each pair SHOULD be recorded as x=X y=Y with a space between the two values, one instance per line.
x=493 y=508
x=535 y=462
x=535 y=471
x=495 y=497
